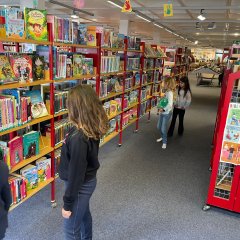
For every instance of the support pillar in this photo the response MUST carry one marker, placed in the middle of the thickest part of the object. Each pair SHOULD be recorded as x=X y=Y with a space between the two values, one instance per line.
x=38 y=4
x=124 y=27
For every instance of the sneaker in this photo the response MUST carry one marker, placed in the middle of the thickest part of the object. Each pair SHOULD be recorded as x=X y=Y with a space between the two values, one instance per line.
x=159 y=140
x=164 y=146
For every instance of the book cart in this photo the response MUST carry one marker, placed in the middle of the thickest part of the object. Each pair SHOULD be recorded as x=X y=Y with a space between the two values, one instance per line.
x=144 y=104
x=224 y=189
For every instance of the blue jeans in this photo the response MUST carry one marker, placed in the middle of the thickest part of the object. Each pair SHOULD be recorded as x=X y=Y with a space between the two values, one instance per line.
x=163 y=125
x=79 y=225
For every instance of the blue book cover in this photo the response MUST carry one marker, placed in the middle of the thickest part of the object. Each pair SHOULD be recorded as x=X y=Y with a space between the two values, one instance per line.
x=30 y=173
x=82 y=31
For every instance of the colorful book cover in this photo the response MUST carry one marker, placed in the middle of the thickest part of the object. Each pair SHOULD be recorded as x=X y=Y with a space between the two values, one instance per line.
x=38 y=108
x=38 y=67
x=87 y=66
x=75 y=33
x=31 y=175
x=82 y=31
x=16 y=150
x=22 y=67
x=121 y=40
x=44 y=169
x=106 y=38
x=137 y=43
x=66 y=30
x=233 y=117
x=69 y=68
x=6 y=73
x=31 y=144
x=232 y=134
x=77 y=65
x=114 y=40
x=14 y=23
x=91 y=36
x=36 y=24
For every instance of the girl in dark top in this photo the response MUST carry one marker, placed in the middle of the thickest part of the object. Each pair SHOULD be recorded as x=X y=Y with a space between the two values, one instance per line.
x=5 y=198
x=79 y=160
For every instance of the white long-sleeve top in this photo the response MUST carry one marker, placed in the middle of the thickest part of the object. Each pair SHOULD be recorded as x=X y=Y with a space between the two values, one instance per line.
x=183 y=102
x=169 y=107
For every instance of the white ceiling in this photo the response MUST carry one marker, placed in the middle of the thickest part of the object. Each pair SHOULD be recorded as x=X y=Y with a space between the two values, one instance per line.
x=183 y=22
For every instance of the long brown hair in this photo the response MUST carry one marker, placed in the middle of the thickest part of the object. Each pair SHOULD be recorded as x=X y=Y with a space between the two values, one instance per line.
x=86 y=111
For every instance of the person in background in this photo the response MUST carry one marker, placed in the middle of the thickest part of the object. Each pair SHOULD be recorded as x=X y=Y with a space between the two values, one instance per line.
x=166 y=112
x=221 y=76
x=79 y=160
x=183 y=101
x=5 y=198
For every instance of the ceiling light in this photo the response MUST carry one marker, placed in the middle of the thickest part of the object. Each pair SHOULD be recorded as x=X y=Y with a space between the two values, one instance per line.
x=236 y=34
x=74 y=15
x=201 y=17
x=147 y=20
x=157 y=25
x=197 y=33
x=212 y=25
x=168 y=30
x=196 y=42
x=116 y=5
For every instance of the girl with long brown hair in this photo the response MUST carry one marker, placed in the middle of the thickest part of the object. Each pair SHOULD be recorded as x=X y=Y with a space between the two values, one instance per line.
x=79 y=160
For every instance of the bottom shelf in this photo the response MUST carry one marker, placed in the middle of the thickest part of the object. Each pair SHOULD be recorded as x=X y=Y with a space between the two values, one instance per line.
x=224 y=186
x=109 y=138
x=33 y=192
x=129 y=123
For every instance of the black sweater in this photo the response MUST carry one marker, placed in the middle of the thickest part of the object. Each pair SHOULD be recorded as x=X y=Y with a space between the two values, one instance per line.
x=79 y=163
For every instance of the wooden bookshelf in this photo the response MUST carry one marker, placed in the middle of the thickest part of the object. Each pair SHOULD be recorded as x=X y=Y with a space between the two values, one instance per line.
x=114 y=115
x=113 y=49
x=58 y=146
x=132 y=89
x=147 y=84
x=76 y=78
x=111 y=73
x=149 y=69
x=136 y=70
x=149 y=97
x=111 y=95
x=19 y=85
x=131 y=106
x=129 y=123
x=27 y=161
x=33 y=122
x=25 y=41
x=33 y=192
x=58 y=44
x=61 y=113
x=226 y=187
x=134 y=51
x=109 y=138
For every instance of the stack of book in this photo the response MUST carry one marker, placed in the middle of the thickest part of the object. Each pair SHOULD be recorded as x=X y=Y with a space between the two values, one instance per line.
x=110 y=64
x=133 y=63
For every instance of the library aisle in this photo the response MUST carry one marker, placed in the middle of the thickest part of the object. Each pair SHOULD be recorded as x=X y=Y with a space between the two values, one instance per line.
x=144 y=192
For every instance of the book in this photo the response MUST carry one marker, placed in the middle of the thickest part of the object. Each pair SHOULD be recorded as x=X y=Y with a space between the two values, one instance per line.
x=38 y=108
x=16 y=150
x=6 y=73
x=87 y=66
x=31 y=144
x=137 y=43
x=77 y=65
x=22 y=67
x=69 y=67
x=75 y=33
x=91 y=36
x=121 y=40
x=44 y=169
x=106 y=38
x=114 y=40
x=232 y=134
x=36 y=24
x=82 y=31
x=31 y=175
x=38 y=67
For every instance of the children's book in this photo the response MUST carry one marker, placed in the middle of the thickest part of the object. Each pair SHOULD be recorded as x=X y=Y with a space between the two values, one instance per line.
x=44 y=169
x=36 y=24
x=82 y=31
x=77 y=65
x=232 y=134
x=14 y=23
x=91 y=36
x=106 y=38
x=233 y=117
x=69 y=68
x=16 y=150
x=31 y=175
x=22 y=67
x=38 y=108
x=31 y=144
x=114 y=40
x=6 y=73
x=87 y=66
x=38 y=67
x=137 y=43
x=121 y=40
x=75 y=33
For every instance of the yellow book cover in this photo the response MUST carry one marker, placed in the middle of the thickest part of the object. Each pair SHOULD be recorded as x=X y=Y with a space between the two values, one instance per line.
x=91 y=36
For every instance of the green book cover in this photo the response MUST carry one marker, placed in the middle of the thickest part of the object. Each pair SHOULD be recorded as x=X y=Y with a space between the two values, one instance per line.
x=36 y=24
x=38 y=67
x=31 y=144
x=77 y=65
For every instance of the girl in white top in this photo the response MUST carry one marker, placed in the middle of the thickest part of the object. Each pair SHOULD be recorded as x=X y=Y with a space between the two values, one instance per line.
x=184 y=98
x=166 y=112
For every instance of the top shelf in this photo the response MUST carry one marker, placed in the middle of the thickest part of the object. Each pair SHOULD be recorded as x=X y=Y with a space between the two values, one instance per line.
x=25 y=41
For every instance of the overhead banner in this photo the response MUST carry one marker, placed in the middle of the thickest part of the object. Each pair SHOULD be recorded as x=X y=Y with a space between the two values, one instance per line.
x=127 y=6
x=168 y=10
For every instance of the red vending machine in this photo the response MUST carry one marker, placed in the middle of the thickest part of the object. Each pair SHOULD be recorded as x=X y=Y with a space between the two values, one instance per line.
x=224 y=189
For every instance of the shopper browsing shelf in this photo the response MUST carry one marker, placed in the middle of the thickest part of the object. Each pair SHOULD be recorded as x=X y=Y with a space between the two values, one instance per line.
x=184 y=98
x=79 y=160
x=5 y=198
x=165 y=108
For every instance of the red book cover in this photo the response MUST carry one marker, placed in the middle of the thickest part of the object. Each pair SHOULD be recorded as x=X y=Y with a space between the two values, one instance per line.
x=16 y=150
x=22 y=67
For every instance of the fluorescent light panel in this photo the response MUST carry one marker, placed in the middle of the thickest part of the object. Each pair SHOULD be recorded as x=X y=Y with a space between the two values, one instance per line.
x=157 y=25
x=116 y=5
x=147 y=20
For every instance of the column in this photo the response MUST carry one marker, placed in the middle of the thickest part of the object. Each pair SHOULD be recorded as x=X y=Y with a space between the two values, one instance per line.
x=124 y=27
x=156 y=37
x=39 y=4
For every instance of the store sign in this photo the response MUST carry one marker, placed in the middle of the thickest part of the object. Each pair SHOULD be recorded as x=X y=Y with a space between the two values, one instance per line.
x=127 y=6
x=168 y=10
